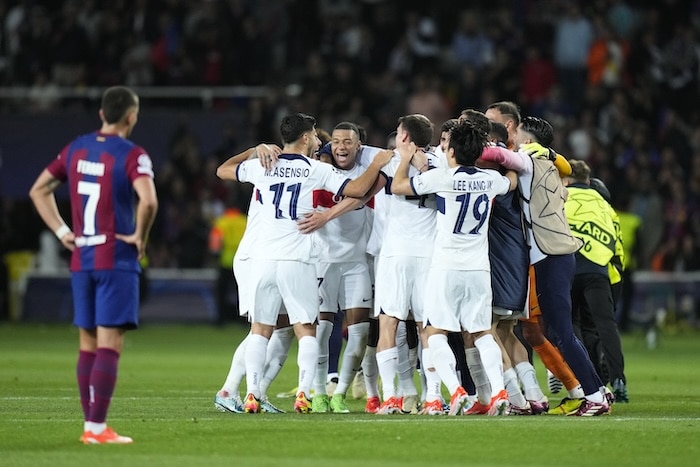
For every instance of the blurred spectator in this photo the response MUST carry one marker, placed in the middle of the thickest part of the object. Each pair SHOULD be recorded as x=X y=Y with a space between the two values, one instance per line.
x=677 y=255
x=225 y=235
x=572 y=41
x=679 y=71
x=537 y=76
x=622 y=18
x=647 y=204
x=136 y=64
x=423 y=43
x=70 y=48
x=426 y=99
x=33 y=55
x=43 y=95
x=606 y=57
x=469 y=43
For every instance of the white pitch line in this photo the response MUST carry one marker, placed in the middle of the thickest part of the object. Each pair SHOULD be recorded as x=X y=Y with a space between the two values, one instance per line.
x=378 y=419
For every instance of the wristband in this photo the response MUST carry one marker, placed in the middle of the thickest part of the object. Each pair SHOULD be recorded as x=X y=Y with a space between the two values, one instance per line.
x=61 y=231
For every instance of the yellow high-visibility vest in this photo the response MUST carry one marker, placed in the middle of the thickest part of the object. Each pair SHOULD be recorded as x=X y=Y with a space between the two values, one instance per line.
x=590 y=220
x=615 y=270
x=226 y=234
x=630 y=223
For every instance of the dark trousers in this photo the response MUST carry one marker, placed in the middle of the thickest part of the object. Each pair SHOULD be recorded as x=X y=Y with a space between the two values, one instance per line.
x=594 y=324
x=554 y=276
x=335 y=343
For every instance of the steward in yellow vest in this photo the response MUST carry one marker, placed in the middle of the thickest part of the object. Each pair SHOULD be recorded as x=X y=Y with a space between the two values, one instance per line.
x=590 y=219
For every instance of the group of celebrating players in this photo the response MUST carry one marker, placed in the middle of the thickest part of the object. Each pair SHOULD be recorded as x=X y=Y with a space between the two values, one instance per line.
x=432 y=254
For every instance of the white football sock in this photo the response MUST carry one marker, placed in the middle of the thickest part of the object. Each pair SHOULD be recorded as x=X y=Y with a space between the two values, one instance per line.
x=371 y=372
x=515 y=396
x=526 y=373
x=432 y=378
x=387 y=361
x=307 y=357
x=352 y=356
x=444 y=361
x=576 y=393
x=481 y=381
x=492 y=360
x=404 y=369
x=255 y=352
x=323 y=334
x=277 y=351
x=237 y=370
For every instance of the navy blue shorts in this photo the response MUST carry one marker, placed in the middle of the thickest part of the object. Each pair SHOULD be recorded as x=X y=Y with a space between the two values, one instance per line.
x=108 y=298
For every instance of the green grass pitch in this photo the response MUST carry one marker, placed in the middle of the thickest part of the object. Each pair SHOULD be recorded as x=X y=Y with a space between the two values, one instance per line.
x=169 y=375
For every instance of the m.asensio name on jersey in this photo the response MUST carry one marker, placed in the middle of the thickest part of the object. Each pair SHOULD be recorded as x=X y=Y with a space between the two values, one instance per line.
x=288 y=172
x=472 y=185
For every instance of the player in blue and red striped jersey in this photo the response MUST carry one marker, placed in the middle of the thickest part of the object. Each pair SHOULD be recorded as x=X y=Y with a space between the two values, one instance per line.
x=105 y=173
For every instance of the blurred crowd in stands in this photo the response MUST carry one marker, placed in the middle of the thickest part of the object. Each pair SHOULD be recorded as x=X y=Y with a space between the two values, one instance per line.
x=617 y=79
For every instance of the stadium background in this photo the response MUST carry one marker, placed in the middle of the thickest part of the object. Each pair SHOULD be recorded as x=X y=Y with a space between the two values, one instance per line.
x=617 y=79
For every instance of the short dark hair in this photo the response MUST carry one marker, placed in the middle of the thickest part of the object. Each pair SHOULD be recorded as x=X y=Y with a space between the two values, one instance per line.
x=116 y=102
x=468 y=142
x=419 y=129
x=449 y=124
x=507 y=108
x=580 y=172
x=348 y=126
x=499 y=132
x=295 y=125
x=479 y=120
x=540 y=129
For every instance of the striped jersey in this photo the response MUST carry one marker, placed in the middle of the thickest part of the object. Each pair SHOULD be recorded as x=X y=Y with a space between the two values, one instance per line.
x=100 y=170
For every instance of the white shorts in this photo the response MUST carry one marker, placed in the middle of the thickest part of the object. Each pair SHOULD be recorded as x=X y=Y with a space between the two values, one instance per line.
x=291 y=283
x=343 y=284
x=458 y=300
x=400 y=286
x=242 y=270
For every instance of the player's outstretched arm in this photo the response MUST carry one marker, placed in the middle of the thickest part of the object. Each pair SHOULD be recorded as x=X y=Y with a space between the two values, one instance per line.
x=267 y=153
x=359 y=187
x=505 y=157
x=317 y=219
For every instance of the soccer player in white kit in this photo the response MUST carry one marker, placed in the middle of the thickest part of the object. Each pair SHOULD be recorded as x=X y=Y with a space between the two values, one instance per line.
x=283 y=258
x=403 y=260
x=458 y=287
x=227 y=399
x=342 y=270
